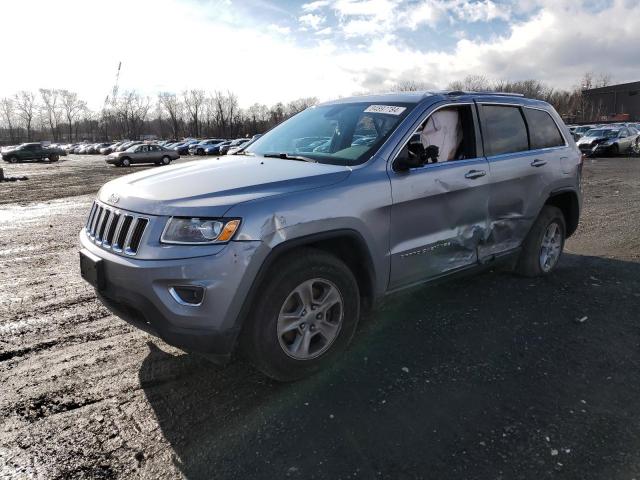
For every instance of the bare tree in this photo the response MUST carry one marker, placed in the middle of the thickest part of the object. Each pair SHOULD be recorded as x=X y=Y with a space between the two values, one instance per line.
x=8 y=112
x=52 y=109
x=296 y=106
x=193 y=101
x=409 y=86
x=131 y=111
x=472 y=83
x=25 y=103
x=171 y=104
x=72 y=107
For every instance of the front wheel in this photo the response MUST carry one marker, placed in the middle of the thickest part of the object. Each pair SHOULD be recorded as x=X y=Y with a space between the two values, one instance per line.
x=125 y=162
x=13 y=159
x=306 y=315
x=615 y=150
x=54 y=158
x=543 y=246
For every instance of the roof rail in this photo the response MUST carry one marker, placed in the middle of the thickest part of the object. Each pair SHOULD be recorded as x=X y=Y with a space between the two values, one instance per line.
x=498 y=94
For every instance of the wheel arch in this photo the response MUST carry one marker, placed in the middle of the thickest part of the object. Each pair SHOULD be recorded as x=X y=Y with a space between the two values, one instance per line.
x=346 y=244
x=568 y=203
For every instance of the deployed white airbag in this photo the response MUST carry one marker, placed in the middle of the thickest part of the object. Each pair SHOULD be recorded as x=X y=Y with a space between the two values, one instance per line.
x=443 y=129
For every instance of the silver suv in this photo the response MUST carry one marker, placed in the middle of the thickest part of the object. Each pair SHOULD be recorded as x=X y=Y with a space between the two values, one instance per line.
x=278 y=249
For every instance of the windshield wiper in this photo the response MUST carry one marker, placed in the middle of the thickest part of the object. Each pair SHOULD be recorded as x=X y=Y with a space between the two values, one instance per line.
x=242 y=152
x=286 y=156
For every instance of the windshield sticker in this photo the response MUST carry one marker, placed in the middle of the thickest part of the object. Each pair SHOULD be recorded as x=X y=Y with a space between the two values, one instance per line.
x=387 y=109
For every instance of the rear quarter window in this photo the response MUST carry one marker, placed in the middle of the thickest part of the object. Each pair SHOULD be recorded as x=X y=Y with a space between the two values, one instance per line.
x=543 y=130
x=504 y=130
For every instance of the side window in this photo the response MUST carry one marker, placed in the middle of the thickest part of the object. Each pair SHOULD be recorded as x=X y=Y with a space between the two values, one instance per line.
x=624 y=133
x=542 y=129
x=452 y=130
x=504 y=130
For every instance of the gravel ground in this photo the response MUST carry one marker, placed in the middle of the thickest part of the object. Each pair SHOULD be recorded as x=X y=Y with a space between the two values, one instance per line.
x=493 y=376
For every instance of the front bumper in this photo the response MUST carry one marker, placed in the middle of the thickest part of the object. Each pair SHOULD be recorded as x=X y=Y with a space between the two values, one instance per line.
x=593 y=149
x=138 y=291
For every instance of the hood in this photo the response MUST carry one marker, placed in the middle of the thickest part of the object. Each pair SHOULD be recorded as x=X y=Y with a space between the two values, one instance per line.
x=211 y=187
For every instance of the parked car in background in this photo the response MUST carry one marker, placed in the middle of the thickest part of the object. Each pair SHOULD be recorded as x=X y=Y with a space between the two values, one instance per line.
x=198 y=148
x=143 y=153
x=99 y=146
x=215 y=149
x=110 y=148
x=608 y=141
x=233 y=149
x=126 y=145
x=183 y=148
x=234 y=143
x=579 y=131
x=30 y=152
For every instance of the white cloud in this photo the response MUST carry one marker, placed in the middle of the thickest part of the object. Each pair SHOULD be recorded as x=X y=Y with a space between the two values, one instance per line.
x=312 y=20
x=317 y=5
x=325 y=31
x=557 y=45
x=284 y=30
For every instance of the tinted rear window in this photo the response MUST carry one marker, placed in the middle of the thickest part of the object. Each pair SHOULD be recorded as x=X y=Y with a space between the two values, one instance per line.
x=543 y=130
x=504 y=130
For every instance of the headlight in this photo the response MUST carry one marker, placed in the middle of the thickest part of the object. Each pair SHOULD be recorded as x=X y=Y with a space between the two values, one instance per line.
x=198 y=231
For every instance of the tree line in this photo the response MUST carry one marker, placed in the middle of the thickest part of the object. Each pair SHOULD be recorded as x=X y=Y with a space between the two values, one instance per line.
x=61 y=115
x=571 y=104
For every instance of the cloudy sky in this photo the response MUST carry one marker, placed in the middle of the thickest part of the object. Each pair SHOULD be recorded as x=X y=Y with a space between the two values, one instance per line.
x=271 y=50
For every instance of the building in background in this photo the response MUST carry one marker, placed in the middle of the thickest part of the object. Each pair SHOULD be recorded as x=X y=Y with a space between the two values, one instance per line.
x=619 y=103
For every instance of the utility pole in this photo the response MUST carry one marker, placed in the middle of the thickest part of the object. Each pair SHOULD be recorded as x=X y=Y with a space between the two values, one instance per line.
x=110 y=101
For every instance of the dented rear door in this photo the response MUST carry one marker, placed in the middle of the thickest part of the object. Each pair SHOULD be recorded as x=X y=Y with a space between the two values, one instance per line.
x=518 y=177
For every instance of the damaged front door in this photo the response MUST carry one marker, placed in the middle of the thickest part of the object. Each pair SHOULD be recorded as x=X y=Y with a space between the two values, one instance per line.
x=440 y=211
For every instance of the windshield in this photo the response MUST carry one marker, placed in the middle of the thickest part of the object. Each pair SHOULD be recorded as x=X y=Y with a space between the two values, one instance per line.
x=132 y=148
x=344 y=134
x=602 y=133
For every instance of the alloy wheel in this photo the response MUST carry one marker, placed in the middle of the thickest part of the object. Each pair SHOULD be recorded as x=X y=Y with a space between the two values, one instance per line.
x=310 y=319
x=551 y=247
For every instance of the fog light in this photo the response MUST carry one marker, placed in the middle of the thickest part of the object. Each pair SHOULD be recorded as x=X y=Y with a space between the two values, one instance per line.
x=189 y=295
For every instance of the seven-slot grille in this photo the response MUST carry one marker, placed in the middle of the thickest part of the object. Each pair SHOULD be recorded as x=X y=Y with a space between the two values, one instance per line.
x=114 y=229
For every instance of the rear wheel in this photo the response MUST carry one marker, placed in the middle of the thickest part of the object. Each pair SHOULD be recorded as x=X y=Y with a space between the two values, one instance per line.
x=306 y=315
x=166 y=160
x=542 y=249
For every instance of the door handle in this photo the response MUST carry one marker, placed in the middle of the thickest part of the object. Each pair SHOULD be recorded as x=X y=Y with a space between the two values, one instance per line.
x=472 y=174
x=538 y=163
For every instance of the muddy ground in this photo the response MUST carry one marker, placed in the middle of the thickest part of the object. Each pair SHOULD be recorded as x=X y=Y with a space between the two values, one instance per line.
x=490 y=377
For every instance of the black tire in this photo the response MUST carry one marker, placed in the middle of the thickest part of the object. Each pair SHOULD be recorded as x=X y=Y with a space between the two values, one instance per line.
x=259 y=340
x=166 y=160
x=200 y=152
x=125 y=162
x=530 y=260
x=54 y=158
x=13 y=159
x=615 y=150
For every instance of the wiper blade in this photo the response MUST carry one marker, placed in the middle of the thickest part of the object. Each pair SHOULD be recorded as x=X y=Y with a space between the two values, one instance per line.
x=286 y=156
x=242 y=152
